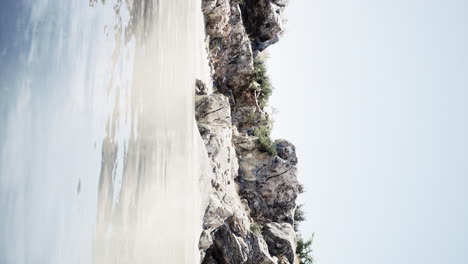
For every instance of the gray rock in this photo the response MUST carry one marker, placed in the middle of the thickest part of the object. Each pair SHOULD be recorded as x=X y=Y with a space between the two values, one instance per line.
x=229 y=245
x=236 y=31
x=213 y=114
x=217 y=14
x=269 y=184
x=264 y=21
x=234 y=243
x=260 y=251
x=286 y=151
x=200 y=88
x=248 y=189
x=281 y=240
x=230 y=50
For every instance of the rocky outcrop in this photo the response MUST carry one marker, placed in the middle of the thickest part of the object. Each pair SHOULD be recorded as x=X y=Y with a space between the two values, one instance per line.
x=236 y=31
x=281 y=240
x=234 y=243
x=269 y=183
x=264 y=21
x=251 y=203
x=252 y=194
x=229 y=47
x=213 y=114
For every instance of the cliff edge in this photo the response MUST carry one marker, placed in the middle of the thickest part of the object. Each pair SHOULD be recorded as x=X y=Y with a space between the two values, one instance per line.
x=249 y=213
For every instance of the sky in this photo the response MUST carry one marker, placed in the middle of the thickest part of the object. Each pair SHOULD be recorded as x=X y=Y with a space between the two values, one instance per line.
x=374 y=93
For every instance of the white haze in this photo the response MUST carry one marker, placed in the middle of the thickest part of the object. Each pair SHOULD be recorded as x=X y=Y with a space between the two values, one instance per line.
x=99 y=160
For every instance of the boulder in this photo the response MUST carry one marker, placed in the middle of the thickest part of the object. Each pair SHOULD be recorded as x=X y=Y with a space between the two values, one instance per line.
x=234 y=243
x=281 y=240
x=264 y=21
x=269 y=184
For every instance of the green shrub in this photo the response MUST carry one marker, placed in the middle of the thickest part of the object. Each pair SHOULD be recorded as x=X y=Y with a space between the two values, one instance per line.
x=251 y=117
x=256 y=228
x=262 y=81
x=258 y=119
x=304 y=250
x=266 y=144
x=299 y=216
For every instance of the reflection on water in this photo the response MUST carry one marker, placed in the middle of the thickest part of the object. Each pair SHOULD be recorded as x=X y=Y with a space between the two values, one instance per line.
x=97 y=137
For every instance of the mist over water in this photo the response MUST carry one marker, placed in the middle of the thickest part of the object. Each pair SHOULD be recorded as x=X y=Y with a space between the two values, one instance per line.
x=99 y=152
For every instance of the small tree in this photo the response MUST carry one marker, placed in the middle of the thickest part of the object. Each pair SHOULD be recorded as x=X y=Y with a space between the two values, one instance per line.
x=299 y=216
x=304 y=250
x=266 y=144
x=261 y=82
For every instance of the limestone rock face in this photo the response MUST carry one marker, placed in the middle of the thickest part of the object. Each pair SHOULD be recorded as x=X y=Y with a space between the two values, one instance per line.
x=236 y=31
x=251 y=194
x=281 y=240
x=234 y=243
x=229 y=46
x=286 y=151
x=213 y=114
x=217 y=13
x=264 y=21
x=247 y=188
x=269 y=183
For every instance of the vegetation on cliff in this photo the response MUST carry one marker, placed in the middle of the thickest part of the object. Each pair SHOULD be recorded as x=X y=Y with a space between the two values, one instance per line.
x=235 y=125
x=261 y=82
x=266 y=144
x=304 y=250
x=304 y=246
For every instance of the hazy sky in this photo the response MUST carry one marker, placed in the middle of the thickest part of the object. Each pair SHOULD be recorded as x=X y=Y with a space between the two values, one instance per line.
x=374 y=95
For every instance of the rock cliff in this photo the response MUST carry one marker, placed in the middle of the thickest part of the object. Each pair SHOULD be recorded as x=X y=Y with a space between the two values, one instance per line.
x=249 y=214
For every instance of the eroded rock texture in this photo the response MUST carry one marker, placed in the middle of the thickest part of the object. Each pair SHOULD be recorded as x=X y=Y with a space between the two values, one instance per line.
x=269 y=184
x=230 y=51
x=249 y=214
x=264 y=21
